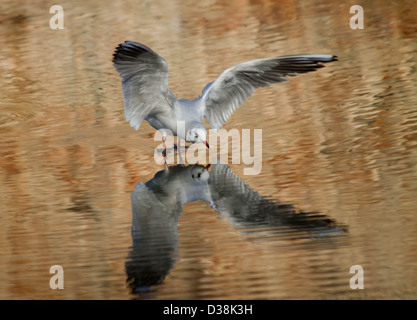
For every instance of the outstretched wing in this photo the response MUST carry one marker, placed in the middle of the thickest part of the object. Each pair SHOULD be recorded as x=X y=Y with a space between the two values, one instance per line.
x=144 y=81
x=243 y=205
x=223 y=96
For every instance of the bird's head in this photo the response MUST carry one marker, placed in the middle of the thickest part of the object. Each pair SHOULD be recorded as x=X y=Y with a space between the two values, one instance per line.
x=200 y=174
x=197 y=134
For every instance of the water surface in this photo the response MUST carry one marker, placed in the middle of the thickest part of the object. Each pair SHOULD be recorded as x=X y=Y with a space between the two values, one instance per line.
x=339 y=177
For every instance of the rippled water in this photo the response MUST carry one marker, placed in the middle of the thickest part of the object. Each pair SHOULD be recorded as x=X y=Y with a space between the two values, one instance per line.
x=81 y=189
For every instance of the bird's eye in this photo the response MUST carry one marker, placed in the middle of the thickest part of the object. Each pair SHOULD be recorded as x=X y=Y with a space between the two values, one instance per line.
x=196 y=136
x=199 y=175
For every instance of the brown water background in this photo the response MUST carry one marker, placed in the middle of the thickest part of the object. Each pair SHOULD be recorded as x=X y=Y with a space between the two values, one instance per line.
x=341 y=141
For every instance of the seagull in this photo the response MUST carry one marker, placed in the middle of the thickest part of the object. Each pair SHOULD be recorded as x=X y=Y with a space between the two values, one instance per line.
x=147 y=95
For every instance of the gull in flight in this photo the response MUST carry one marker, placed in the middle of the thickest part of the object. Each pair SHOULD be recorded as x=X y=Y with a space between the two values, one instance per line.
x=147 y=95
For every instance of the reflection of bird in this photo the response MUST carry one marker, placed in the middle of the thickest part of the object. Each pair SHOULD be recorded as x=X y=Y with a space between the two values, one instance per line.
x=157 y=204
x=148 y=97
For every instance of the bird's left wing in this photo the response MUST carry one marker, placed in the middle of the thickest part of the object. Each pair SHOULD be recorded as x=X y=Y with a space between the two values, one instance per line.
x=244 y=206
x=223 y=96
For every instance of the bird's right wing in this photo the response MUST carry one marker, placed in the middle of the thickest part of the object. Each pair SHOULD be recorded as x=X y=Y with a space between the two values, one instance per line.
x=144 y=81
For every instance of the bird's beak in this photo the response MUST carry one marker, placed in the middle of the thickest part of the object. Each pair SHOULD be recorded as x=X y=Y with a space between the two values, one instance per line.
x=207 y=145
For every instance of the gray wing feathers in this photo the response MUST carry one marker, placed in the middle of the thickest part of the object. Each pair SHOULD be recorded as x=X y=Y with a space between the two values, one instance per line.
x=224 y=95
x=243 y=205
x=230 y=195
x=144 y=81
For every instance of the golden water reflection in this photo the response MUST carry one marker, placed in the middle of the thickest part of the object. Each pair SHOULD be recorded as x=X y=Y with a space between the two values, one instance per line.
x=340 y=141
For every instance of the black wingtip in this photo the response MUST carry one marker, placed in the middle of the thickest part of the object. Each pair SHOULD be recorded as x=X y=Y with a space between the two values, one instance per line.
x=130 y=49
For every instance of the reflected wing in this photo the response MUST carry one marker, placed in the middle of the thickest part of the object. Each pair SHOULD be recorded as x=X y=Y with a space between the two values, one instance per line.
x=144 y=82
x=242 y=205
x=224 y=95
x=155 y=240
x=230 y=196
x=150 y=214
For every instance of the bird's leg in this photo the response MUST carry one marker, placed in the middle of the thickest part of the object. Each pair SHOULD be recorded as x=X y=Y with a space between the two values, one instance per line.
x=180 y=159
x=164 y=153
